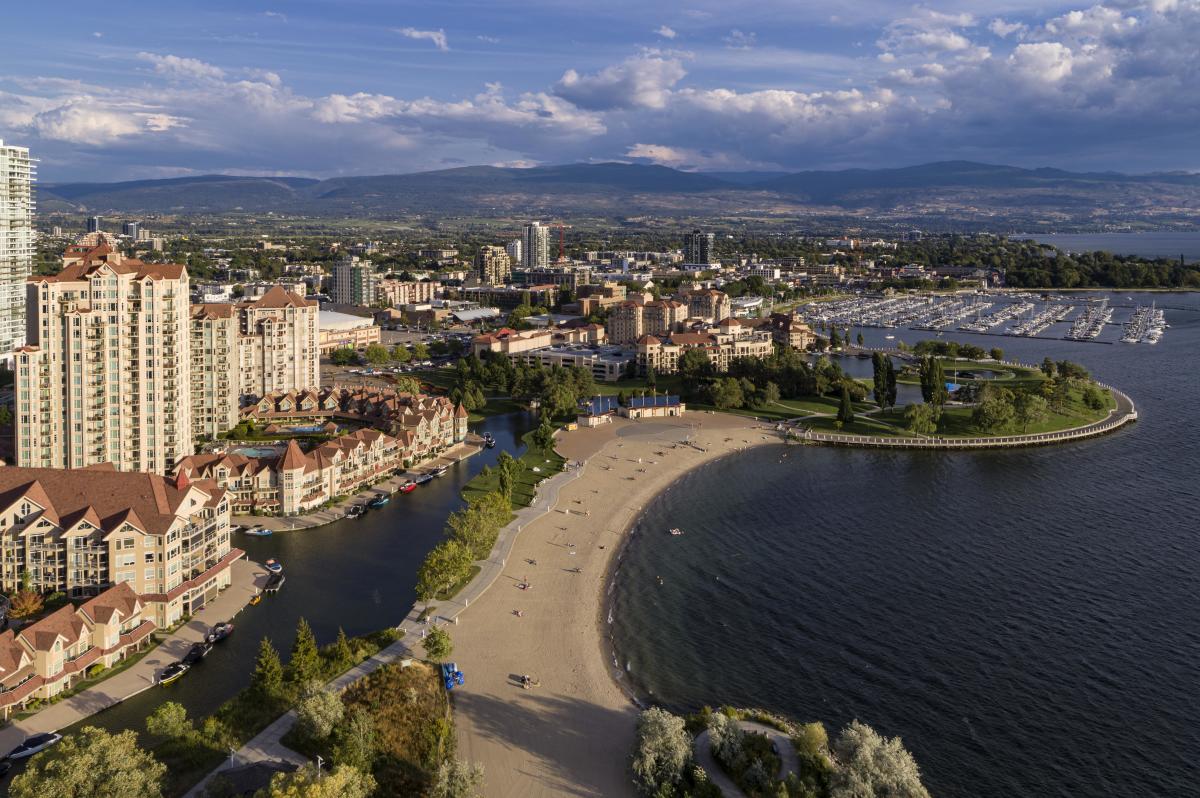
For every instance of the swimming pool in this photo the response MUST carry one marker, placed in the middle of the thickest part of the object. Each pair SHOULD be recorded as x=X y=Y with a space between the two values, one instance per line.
x=258 y=451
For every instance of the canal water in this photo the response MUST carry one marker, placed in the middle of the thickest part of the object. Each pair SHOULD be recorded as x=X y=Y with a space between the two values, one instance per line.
x=359 y=575
x=1027 y=621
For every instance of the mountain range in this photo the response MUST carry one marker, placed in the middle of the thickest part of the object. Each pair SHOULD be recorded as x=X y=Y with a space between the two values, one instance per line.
x=974 y=194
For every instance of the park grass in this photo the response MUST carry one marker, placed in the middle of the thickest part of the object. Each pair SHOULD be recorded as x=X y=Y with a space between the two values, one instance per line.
x=548 y=461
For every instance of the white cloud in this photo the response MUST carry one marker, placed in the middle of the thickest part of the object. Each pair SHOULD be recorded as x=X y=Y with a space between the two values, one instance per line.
x=173 y=66
x=1047 y=62
x=488 y=39
x=1005 y=29
x=639 y=82
x=666 y=32
x=741 y=40
x=81 y=122
x=279 y=15
x=97 y=34
x=438 y=37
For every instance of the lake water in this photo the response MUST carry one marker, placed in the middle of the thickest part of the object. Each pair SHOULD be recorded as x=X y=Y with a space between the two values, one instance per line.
x=1147 y=245
x=1027 y=621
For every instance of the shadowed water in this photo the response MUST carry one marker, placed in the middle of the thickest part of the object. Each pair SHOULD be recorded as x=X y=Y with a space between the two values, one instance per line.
x=1027 y=621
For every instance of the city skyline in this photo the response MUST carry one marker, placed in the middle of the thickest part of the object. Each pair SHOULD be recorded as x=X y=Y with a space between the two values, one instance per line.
x=376 y=88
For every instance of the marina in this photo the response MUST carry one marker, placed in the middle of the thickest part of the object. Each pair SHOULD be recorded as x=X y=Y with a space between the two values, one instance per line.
x=1020 y=314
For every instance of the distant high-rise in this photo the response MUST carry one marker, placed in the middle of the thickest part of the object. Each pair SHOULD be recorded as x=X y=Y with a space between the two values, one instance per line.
x=94 y=223
x=697 y=247
x=130 y=229
x=513 y=248
x=493 y=265
x=17 y=174
x=536 y=248
x=354 y=282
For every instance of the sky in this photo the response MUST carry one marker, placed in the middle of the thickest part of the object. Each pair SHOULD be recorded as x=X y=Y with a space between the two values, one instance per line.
x=131 y=89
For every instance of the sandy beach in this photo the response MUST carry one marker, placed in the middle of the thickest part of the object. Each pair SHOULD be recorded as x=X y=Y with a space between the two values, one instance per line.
x=571 y=734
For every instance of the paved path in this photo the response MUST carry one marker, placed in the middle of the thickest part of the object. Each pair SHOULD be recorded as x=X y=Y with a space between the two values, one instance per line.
x=789 y=761
x=268 y=744
x=247 y=580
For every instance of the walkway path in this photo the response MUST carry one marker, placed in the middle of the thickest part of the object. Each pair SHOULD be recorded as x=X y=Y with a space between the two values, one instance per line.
x=789 y=761
x=247 y=579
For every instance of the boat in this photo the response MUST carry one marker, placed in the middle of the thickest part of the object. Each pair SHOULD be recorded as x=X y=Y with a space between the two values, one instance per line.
x=354 y=511
x=274 y=582
x=890 y=337
x=256 y=600
x=440 y=471
x=219 y=632
x=676 y=531
x=378 y=501
x=488 y=440
x=423 y=478
x=197 y=652
x=172 y=673
x=408 y=487
x=274 y=566
x=257 y=531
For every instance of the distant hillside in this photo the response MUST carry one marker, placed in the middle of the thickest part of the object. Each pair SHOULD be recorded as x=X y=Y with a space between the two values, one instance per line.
x=962 y=192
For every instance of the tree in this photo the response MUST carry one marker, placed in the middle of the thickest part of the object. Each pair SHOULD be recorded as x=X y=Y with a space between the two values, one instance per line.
x=344 y=356
x=933 y=381
x=267 y=680
x=304 y=662
x=318 y=711
x=727 y=394
x=872 y=765
x=354 y=740
x=694 y=364
x=771 y=393
x=341 y=782
x=170 y=720
x=879 y=377
x=420 y=351
x=845 y=413
x=891 y=383
x=377 y=354
x=727 y=740
x=400 y=354
x=1048 y=367
x=835 y=341
x=922 y=419
x=438 y=645
x=860 y=339
x=26 y=601
x=651 y=377
x=340 y=653
x=994 y=410
x=92 y=763
x=457 y=779
x=1029 y=408
x=662 y=751
x=447 y=563
x=996 y=353
x=1094 y=397
x=543 y=436
x=6 y=416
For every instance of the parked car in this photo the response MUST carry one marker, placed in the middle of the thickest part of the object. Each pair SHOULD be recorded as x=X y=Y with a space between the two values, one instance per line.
x=34 y=744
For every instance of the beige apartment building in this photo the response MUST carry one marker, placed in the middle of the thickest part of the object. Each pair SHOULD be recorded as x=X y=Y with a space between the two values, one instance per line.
x=493 y=265
x=732 y=339
x=268 y=344
x=632 y=319
x=106 y=374
x=395 y=293
x=83 y=530
x=709 y=305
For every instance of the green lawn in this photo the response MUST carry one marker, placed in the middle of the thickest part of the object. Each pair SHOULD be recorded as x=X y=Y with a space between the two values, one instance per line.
x=548 y=463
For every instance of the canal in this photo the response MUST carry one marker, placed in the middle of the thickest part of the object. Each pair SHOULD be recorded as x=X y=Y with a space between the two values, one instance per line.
x=357 y=575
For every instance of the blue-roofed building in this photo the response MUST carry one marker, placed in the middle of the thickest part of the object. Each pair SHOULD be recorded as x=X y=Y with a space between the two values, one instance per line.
x=598 y=410
x=601 y=409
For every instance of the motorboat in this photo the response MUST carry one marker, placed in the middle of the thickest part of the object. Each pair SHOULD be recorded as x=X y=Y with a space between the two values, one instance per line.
x=440 y=471
x=219 y=632
x=423 y=478
x=676 y=531
x=34 y=744
x=378 y=501
x=274 y=582
x=172 y=673
x=408 y=487
x=257 y=531
x=489 y=440
x=197 y=652
x=354 y=511
x=274 y=566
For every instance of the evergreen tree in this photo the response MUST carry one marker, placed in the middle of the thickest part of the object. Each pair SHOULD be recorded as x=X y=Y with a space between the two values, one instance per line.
x=937 y=380
x=267 y=680
x=341 y=653
x=304 y=664
x=845 y=413
x=891 y=383
x=879 y=376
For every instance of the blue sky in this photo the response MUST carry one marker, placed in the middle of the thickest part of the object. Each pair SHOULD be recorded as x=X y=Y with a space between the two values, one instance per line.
x=121 y=90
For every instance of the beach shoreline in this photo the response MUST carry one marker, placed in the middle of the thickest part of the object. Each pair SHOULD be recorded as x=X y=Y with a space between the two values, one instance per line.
x=574 y=730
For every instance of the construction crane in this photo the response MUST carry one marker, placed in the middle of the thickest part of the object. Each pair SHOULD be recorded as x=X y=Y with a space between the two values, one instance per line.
x=561 y=249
